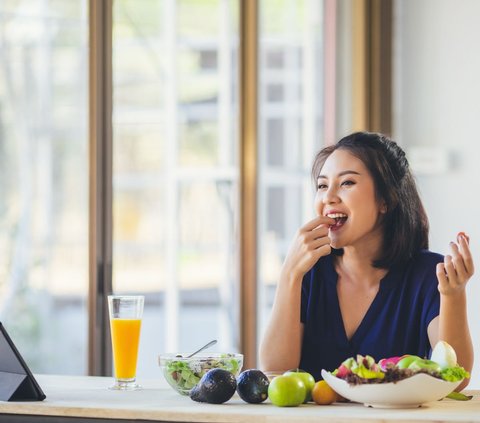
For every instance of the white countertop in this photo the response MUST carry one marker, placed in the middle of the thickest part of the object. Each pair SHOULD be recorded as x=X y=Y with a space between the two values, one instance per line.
x=88 y=397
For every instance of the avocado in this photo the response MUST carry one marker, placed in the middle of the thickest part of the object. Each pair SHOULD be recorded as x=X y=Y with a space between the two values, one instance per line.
x=196 y=394
x=252 y=386
x=215 y=387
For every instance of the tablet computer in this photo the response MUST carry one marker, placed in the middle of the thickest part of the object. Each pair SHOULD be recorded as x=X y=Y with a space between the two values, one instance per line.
x=16 y=380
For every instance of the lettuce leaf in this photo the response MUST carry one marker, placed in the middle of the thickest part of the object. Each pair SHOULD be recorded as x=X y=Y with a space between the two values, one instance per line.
x=454 y=374
x=458 y=396
x=365 y=373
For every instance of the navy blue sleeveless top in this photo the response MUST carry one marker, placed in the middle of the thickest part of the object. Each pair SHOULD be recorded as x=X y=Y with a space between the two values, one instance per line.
x=395 y=324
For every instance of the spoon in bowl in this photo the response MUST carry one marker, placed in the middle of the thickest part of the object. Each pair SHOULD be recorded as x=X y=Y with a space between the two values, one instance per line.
x=207 y=345
x=213 y=342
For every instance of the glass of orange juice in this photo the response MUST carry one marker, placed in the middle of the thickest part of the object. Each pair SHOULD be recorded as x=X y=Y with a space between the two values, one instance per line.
x=125 y=313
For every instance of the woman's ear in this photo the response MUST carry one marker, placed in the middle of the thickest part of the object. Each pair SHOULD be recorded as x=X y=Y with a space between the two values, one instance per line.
x=383 y=208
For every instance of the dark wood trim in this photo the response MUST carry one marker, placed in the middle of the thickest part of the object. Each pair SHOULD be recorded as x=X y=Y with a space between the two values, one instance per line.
x=372 y=62
x=380 y=45
x=248 y=180
x=100 y=186
x=359 y=65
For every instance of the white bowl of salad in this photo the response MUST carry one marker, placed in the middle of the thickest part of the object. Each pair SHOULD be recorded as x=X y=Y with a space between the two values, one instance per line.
x=183 y=373
x=399 y=382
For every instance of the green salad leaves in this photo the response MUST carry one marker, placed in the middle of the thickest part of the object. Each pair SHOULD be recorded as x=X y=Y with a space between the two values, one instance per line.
x=454 y=374
x=186 y=374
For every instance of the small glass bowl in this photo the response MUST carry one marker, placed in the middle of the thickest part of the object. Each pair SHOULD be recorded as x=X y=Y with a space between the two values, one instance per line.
x=182 y=373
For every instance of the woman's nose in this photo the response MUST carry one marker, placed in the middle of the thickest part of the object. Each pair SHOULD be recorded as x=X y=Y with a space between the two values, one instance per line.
x=331 y=196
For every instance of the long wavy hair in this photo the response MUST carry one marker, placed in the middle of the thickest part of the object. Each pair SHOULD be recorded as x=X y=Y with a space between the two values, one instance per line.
x=405 y=223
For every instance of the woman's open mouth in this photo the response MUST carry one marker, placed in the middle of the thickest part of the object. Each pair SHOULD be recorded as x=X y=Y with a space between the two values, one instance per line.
x=340 y=219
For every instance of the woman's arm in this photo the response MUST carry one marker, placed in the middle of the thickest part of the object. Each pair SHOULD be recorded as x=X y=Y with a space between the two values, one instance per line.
x=281 y=345
x=452 y=323
x=280 y=349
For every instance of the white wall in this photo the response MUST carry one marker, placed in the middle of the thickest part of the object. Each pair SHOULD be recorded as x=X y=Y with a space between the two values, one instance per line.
x=437 y=108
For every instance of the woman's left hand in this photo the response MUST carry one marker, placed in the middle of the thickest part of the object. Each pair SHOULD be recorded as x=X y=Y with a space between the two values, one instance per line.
x=457 y=268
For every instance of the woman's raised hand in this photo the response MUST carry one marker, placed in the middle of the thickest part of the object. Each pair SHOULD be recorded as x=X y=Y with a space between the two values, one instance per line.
x=457 y=268
x=310 y=243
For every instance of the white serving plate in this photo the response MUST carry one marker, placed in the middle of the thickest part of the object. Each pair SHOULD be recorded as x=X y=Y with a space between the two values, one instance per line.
x=408 y=393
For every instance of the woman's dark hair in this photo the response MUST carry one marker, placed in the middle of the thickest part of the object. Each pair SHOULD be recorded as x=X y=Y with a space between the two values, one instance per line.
x=405 y=223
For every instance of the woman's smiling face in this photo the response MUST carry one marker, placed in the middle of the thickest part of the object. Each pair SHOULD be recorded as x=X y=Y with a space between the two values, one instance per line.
x=346 y=192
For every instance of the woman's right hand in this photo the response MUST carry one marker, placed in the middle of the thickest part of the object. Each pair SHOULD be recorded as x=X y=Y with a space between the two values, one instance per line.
x=310 y=243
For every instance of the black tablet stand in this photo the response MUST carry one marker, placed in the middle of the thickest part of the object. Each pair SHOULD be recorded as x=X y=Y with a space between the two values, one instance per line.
x=16 y=380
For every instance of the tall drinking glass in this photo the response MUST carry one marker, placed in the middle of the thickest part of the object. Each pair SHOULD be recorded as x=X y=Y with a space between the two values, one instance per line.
x=125 y=321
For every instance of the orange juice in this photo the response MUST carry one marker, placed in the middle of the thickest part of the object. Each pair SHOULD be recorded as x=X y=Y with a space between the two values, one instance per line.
x=125 y=337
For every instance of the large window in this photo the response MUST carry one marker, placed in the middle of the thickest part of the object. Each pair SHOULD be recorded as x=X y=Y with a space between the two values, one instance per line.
x=291 y=120
x=44 y=181
x=176 y=166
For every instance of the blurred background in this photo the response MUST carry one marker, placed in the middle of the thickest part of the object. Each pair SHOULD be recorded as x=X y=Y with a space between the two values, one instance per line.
x=176 y=152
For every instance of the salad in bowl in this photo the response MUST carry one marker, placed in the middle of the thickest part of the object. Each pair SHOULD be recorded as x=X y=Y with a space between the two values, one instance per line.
x=183 y=373
x=405 y=381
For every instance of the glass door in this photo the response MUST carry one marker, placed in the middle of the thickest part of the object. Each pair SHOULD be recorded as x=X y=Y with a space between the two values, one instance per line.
x=175 y=170
x=291 y=128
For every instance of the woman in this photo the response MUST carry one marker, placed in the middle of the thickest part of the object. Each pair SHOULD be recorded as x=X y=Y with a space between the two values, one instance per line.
x=358 y=278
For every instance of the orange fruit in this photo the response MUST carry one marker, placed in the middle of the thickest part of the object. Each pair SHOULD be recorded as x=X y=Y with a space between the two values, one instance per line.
x=322 y=394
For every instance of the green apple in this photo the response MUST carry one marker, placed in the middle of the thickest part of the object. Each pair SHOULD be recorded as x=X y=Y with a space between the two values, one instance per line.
x=306 y=378
x=286 y=391
x=406 y=360
x=413 y=362
x=424 y=364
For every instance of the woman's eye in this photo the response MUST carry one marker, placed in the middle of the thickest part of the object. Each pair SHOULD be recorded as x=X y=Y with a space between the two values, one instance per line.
x=321 y=186
x=347 y=183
